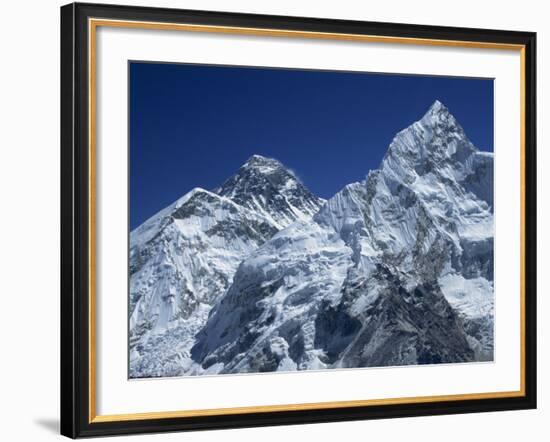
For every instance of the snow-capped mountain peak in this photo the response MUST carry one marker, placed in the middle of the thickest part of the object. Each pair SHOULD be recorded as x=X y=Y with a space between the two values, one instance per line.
x=183 y=258
x=263 y=164
x=436 y=108
x=266 y=186
x=441 y=121
x=437 y=137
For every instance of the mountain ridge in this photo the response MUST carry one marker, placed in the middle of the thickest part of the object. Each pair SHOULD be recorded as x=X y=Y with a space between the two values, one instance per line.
x=393 y=270
x=406 y=229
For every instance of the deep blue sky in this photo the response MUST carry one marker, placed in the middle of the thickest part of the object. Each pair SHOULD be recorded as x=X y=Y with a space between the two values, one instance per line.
x=195 y=125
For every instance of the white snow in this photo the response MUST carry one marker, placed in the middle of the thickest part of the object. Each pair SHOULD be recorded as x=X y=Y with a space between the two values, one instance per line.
x=472 y=297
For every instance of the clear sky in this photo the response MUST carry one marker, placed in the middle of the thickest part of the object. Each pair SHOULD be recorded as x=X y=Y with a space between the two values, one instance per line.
x=195 y=125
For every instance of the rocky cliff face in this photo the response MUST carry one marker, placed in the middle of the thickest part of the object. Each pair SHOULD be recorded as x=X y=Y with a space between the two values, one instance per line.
x=397 y=269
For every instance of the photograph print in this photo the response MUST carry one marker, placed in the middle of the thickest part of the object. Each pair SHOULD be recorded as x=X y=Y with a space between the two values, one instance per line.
x=290 y=220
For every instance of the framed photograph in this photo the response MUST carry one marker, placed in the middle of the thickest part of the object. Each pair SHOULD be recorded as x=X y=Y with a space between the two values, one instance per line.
x=274 y=220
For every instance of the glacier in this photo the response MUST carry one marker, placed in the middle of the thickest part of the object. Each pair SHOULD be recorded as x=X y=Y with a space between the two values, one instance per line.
x=260 y=275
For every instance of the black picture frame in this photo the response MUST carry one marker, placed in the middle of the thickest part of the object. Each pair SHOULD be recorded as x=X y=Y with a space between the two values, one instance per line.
x=75 y=221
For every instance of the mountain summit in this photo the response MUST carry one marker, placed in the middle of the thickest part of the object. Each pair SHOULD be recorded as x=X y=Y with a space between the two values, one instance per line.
x=267 y=187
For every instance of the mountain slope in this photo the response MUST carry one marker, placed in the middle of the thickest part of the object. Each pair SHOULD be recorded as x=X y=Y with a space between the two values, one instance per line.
x=394 y=270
